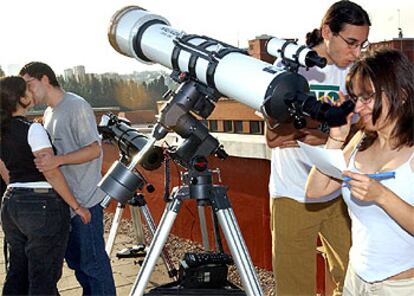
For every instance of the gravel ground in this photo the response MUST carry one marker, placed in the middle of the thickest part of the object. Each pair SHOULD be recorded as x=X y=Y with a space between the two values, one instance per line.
x=179 y=246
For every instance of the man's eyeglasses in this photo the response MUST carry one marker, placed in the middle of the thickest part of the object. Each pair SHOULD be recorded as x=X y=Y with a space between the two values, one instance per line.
x=353 y=44
x=363 y=99
x=30 y=79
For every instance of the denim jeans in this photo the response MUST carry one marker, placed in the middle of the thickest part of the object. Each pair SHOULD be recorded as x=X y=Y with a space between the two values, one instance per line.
x=36 y=227
x=86 y=255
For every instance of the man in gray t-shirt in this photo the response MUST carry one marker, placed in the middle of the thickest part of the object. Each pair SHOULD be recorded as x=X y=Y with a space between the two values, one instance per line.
x=70 y=122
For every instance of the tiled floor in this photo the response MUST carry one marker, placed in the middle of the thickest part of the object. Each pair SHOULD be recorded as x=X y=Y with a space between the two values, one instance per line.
x=125 y=272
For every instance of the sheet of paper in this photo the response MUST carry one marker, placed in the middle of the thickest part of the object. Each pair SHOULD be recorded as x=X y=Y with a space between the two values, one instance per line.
x=329 y=161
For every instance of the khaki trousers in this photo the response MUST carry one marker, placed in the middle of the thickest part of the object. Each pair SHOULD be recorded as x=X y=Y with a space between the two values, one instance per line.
x=355 y=286
x=295 y=227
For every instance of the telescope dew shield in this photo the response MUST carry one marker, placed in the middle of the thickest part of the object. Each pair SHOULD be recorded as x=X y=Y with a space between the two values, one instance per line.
x=126 y=29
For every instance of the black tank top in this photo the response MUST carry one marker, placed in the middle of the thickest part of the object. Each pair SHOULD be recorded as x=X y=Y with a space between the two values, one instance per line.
x=16 y=152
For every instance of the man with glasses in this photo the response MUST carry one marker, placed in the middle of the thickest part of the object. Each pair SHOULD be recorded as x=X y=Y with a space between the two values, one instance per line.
x=353 y=43
x=297 y=221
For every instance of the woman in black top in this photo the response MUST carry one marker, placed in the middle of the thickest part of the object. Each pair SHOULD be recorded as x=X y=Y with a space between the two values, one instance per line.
x=35 y=210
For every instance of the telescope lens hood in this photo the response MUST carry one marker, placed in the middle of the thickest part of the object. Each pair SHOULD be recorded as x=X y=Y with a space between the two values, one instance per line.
x=126 y=28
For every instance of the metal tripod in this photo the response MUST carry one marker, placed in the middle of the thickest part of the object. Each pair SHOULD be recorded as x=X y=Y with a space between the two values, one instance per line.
x=113 y=232
x=177 y=115
x=138 y=201
x=198 y=185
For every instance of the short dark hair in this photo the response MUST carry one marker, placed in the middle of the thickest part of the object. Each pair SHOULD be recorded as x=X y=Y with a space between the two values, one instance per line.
x=37 y=70
x=340 y=13
x=12 y=88
x=391 y=73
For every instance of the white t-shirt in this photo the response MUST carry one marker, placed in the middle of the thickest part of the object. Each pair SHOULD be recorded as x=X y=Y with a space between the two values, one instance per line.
x=290 y=166
x=38 y=139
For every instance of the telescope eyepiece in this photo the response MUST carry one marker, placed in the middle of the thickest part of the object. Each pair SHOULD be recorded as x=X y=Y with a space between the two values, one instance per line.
x=323 y=112
x=313 y=59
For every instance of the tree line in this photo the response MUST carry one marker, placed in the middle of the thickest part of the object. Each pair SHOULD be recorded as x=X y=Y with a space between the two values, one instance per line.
x=128 y=94
x=103 y=91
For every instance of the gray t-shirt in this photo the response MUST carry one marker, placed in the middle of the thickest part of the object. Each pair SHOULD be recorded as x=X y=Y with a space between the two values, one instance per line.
x=71 y=125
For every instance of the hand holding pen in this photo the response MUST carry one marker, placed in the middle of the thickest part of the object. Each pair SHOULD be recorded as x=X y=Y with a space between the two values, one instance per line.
x=376 y=176
x=367 y=187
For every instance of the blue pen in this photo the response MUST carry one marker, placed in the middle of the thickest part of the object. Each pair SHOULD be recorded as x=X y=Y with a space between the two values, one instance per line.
x=377 y=176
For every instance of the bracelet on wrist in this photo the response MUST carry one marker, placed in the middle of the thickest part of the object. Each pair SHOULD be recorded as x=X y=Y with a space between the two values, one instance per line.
x=270 y=126
x=336 y=140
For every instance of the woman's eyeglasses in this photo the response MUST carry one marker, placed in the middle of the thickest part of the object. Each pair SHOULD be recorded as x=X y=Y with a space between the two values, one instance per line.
x=363 y=99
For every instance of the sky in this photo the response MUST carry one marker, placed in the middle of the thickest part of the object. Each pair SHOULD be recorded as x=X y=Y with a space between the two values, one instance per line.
x=67 y=33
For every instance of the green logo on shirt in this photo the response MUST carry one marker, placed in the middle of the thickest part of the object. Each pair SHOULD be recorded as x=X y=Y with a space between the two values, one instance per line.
x=331 y=92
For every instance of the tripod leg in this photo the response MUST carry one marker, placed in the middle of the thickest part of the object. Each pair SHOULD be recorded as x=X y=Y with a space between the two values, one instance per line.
x=114 y=229
x=239 y=252
x=203 y=226
x=237 y=246
x=216 y=232
x=137 y=224
x=157 y=244
x=172 y=271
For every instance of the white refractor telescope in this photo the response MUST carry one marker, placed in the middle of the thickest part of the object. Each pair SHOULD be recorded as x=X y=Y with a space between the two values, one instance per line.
x=279 y=93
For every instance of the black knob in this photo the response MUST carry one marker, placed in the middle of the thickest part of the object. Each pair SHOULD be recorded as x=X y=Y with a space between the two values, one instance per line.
x=150 y=188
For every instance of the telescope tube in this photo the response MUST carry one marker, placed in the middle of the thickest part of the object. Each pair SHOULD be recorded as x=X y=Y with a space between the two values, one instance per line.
x=149 y=38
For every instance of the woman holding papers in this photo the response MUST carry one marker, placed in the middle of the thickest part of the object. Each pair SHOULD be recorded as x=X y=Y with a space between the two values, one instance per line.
x=381 y=209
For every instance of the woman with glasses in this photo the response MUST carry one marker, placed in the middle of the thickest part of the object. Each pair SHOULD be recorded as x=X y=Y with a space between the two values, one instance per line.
x=381 y=209
x=297 y=221
x=35 y=210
